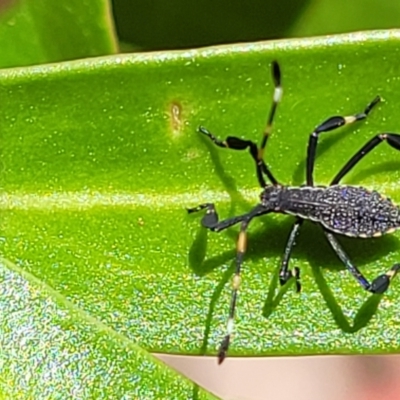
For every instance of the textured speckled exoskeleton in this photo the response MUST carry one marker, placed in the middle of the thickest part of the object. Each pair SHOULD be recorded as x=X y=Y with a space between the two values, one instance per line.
x=339 y=209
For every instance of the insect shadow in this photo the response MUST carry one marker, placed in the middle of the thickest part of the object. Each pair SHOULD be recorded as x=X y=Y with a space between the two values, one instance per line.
x=268 y=240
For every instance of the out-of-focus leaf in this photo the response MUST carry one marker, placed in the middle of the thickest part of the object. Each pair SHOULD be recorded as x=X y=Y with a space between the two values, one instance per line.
x=323 y=17
x=37 y=32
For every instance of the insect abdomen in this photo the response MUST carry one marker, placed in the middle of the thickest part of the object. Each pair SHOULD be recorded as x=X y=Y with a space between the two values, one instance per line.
x=348 y=210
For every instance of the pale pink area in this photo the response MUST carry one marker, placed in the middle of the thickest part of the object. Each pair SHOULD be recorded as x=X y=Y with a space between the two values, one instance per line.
x=294 y=378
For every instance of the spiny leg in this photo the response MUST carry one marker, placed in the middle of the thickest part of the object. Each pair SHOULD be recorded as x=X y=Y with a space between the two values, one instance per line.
x=329 y=125
x=235 y=143
x=379 y=285
x=257 y=154
x=278 y=91
x=241 y=249
x=284 y=273
x=393 y=140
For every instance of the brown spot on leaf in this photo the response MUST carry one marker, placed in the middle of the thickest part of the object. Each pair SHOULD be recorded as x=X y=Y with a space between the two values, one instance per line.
x=4 y=4
x=176 y=117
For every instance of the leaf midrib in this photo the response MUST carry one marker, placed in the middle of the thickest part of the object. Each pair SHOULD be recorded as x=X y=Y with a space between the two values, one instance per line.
x=84 y=200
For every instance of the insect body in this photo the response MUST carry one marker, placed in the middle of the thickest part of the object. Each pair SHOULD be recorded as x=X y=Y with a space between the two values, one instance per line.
x=339 y=209
x=346 y=210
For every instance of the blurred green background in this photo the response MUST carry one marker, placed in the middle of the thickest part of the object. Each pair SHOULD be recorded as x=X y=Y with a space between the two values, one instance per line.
x=176 y=24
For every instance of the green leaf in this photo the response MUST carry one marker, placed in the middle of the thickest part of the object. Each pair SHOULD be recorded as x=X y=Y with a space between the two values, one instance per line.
x=49 y=31
x=47 y=342
x=322 y=17
x=101 y=157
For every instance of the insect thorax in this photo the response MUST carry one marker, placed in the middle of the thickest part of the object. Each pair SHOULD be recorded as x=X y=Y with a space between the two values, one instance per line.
x=348 y=210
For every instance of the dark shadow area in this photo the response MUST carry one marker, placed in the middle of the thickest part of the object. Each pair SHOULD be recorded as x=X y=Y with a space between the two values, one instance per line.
x=195 y=393
x=364 y=314
x=175 y=24
x=273 y=300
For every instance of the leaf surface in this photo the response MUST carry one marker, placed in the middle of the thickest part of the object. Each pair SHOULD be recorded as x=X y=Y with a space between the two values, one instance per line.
x=51 y=348
x=100 y=158
x=37 y=32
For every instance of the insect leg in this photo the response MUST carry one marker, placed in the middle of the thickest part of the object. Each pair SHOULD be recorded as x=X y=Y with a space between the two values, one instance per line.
x=233 y=142
x=284 y=273
x=329 y=125
x=241 y=249
x=210 y=219
x=379 y=285
x=392 y=138
x=276 y=77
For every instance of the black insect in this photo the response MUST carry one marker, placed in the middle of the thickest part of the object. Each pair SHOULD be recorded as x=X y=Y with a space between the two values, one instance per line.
x=339 y=209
